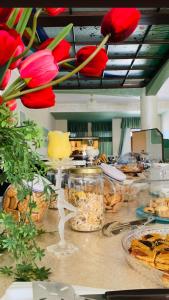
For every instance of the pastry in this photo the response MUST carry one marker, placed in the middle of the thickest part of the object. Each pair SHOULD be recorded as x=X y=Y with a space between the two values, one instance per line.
x=159 y=207
x=165 y=280
x=12 y=205
x=11 y=191
x=14 y=213
x=6 y=202
x=13 y=202
x=152 y=249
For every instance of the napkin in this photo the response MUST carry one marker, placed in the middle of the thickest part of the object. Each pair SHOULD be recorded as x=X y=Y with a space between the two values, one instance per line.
x=113 y=172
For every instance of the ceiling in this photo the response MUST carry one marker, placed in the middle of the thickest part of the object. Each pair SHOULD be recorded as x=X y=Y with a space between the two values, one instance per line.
x=132 y=63
x=89 y=116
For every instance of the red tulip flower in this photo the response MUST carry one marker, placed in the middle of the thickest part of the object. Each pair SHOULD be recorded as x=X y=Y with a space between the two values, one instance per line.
x=40 y=99
x=96 y=66
x=39 y=68
x=12 y=104
x=54 y=11
x=5 y=79
x=10 y=44
x=60 y=52
x=120 y=23
x=4 y=14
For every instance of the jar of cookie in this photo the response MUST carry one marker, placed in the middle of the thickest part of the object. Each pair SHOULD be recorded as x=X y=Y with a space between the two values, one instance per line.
x=113 y=197
x=85 y=192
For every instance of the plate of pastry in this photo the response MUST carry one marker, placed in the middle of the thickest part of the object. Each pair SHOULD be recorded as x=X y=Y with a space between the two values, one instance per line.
x=147 y=251
x=129 y=169
x=158 y=207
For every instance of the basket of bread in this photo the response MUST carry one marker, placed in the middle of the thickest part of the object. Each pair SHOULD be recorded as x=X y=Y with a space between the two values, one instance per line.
x=11 y=204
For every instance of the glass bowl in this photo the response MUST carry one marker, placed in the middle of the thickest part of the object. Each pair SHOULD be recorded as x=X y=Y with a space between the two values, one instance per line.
x=159 y=277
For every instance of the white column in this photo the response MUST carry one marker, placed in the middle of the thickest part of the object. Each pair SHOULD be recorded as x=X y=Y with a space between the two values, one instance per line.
x=116 y=134
x=149 y=112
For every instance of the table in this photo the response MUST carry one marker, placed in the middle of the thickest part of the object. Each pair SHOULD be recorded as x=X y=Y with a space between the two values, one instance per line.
x=100 y=261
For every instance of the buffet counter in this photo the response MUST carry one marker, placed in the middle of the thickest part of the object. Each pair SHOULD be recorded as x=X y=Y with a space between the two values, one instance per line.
x=99 y=262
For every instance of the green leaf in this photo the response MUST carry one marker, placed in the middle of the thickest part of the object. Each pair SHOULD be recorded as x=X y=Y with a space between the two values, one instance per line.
x=4 y=68
x=6 y=270
x=12 y=18
x=60 y=37
x=20 y=28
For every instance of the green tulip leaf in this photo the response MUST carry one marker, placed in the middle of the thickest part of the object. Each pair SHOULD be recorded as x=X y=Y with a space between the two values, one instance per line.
x=12 y=18
x=4 y=68
x=60 y=36
x=20 y=28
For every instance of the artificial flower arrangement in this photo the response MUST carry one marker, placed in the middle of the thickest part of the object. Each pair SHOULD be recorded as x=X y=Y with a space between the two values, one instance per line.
x=38 y=74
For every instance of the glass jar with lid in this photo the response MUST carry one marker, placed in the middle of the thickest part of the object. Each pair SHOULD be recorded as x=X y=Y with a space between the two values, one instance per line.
x=85 y=191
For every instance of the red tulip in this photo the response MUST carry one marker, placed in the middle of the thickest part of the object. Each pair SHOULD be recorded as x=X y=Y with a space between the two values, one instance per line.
x=120 y=23
x=54 y=11
x=60 y=52
x=10 y=44
x=5 y=79
x=4 y=14
x=12 y=104
x=39 y=68
x=40 y=99
x=96 y=66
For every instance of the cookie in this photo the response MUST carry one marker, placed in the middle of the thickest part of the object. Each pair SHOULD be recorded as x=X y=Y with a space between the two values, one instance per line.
x=11 y=191
x=6 y=202
x=14 y=213
x=13 y=203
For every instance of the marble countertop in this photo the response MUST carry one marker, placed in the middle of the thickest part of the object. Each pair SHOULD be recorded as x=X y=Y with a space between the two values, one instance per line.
x=99 y=263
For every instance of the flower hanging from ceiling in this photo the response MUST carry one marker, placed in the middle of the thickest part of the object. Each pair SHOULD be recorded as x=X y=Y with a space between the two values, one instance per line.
x=40 y=71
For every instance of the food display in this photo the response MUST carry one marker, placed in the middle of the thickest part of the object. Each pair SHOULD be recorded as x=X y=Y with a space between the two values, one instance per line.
x=101 y=159
x=85 y=192
x=129 y=168
x=159 y=207
x=113 y=195
x=12 y=205
x=147 y=249
x=152 y=249
x=90 y=210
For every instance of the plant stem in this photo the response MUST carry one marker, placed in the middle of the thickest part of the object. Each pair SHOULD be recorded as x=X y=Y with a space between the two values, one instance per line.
x=57 y=81
x=17 y=84
x=35 y=18
x=65 y=61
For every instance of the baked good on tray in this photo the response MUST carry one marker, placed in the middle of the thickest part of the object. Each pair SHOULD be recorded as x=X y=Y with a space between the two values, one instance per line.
x=159 y=207
x=129 y=168
x=152 y=249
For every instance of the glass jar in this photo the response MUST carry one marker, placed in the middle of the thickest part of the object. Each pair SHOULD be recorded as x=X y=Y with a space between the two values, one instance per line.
x=113 y=197
x=85 y=191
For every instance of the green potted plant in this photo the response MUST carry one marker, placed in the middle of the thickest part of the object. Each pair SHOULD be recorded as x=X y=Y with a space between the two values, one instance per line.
x=19 y=165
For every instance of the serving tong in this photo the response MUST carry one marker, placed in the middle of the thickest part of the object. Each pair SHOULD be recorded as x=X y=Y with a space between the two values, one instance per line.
x=114 y=227
x=60 y=291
